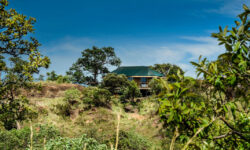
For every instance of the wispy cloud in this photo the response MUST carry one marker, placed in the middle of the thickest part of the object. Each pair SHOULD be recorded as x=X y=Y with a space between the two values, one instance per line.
x=66 y=51
x=229 y=7
x=180 y=53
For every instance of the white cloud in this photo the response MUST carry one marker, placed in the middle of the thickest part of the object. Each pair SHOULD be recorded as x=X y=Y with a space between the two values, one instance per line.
x=230 y=7
x=66 y=51
x=180 y=53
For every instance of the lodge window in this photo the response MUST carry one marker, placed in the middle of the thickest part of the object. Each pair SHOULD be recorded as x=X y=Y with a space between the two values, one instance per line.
x=143 y=80
x=130 y=78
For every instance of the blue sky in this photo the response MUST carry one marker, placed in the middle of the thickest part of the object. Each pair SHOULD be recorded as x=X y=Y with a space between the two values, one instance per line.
x=143 y=32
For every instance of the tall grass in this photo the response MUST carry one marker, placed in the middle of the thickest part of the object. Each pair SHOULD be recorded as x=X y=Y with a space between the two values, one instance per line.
x=117 y=129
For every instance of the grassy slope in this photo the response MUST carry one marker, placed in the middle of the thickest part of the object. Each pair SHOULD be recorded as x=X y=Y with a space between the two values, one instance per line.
x=100 y=123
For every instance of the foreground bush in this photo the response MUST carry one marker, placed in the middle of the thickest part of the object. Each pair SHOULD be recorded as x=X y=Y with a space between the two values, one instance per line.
x=114 y=82
x=61 y=143
x=93 y=96
x=132 y=141
x=20 y=139
x=130 y=92
x=70 y=102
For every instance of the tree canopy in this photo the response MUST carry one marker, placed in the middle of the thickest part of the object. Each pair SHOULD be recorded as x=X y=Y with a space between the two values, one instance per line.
x=216 y=115
x=19 y=60
x=167 y=68
x=93 y=62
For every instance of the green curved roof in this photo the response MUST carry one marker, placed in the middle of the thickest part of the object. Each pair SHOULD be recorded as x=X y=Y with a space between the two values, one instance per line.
x=137 y=71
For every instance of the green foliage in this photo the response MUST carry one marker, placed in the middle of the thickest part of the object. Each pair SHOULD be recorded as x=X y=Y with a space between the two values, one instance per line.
x=75 y=144
x=16 y=111
x=229 y=78
x=71 y=101
x=114 y=82
x=94 y=96
x=133 y=141
x=182 y=109
x=63 y=79
x=52 y=76
x=157 y=86
x=216 y=115
x=94 y=61
x=76 y=75
x=41 y=77
x=20 y=139
x=130 y=92
x=167 y=69
x=17 y=72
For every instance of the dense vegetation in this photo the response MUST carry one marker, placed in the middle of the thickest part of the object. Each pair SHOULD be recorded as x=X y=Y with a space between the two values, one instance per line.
x=182 y=113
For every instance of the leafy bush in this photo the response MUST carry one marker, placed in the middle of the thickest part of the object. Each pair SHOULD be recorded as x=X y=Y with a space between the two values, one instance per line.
x=63 y=79
x=130 y=92
x=132 y=141
x=94 y=96
x=70 y=102
x=20 y=139
x=114 y=82
x=156 y=86
x=17 y=110
x=72 y=96
x=52 y=76
x=74 y=144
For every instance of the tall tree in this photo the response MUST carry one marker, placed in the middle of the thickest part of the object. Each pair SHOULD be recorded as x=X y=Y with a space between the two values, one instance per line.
x=76 y=74
x=167 y=69
x=19 y=60
x=95 y=61
x=218 y=117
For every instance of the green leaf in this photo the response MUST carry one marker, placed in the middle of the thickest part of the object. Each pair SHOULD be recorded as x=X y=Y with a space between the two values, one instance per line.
x=177 y=84
x=171 y=116
x=220 y=29
x=205 y=122
x=186 y=111
x=236 y=46
x=228 y=47
x=170 y=95
x=233 y=33
x=195 y=64
x=245 y=7
x=232 y=79
x=167 y=103
x=225 y=31
x=240 y=29
x=218 y=81
x=237 y=23
x=225 y=108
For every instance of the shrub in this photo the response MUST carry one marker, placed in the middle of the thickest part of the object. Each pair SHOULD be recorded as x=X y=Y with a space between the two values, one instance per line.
x=74 y=144
x=72 y=96
x=20 y=139
x=156 y=86
x=132 y=141
x=16 y=111
x=52 y=76
x=94 y=96
x=130 y=92
x=114 y=82
x=63 y=79
x=70 y=102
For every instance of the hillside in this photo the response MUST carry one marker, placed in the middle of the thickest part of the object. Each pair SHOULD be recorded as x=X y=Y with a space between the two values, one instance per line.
x=139 y=121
